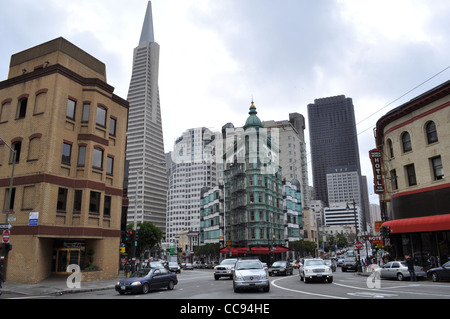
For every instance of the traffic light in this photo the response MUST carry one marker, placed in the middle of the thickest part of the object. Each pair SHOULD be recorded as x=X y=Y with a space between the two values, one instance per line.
x=385 y=231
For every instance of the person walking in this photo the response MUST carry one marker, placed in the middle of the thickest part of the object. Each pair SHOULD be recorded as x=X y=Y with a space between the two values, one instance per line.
x=127 y=270
x=410 y=264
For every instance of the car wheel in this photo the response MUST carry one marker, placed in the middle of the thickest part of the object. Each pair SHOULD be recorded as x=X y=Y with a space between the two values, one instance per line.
x=330 y=280
x=266 y=289
x=145 y=288
x=235 y=288
x=216 y=277
x=434 y=277
x=171 y=285
x=400 y=276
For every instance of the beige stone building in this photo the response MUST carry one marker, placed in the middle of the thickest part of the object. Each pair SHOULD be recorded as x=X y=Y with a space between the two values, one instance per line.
x=415 y=142
x=68 y=129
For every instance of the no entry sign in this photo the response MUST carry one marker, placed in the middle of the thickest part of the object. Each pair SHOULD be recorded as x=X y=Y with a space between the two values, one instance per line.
x=5 y=237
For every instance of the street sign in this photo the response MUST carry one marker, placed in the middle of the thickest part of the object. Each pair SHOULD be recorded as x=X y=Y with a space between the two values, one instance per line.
x=33 y=219
x=5 y=226
x=5 y=237
x=358 y=245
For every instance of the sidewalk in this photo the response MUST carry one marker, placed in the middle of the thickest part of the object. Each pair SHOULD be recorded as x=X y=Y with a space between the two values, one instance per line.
x=57 y=285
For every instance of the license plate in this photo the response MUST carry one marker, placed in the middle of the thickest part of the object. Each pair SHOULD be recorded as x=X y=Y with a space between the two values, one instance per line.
x=319 y=275
x=123 y=287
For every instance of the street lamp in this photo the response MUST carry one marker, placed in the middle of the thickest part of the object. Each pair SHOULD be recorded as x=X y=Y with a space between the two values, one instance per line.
x=8 y=205
x=358 y=260
x=139 y=171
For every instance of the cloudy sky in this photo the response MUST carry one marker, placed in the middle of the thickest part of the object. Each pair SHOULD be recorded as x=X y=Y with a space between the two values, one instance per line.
x=215 y=55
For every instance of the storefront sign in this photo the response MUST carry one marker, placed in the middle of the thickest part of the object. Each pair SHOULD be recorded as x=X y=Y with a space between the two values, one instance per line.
x=376 y=158
x=33 y=219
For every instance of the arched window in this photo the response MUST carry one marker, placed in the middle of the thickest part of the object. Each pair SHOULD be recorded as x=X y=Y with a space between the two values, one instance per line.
x=406 y=142
x=390 y=148
x=431 y=132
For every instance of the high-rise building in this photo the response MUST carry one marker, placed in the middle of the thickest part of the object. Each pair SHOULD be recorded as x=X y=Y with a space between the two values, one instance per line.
x=333 y=139
x=147 y=187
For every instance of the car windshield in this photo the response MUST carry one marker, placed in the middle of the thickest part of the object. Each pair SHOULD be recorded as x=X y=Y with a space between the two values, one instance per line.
x=314 y=263
x=350 y=259
x=173 y=264
x=248 y=265
x=228 y=262
x=327 y=262
x=279 y=264
x=155 y=264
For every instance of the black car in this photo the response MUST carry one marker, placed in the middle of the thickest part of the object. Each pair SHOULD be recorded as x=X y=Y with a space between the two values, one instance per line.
x=440 y=273
x=349 y=263
x=156 y=278
x=281 y=268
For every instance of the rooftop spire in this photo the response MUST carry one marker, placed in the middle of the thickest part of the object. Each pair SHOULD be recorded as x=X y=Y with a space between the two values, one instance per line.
x=147 y=29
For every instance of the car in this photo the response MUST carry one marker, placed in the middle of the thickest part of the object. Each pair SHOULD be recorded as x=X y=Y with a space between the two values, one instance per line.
x=281 y=268
x=350 y=263
x=225 y=268
x=174 y=267
x=440 y=273
x=340 y=262
x=155 y=278
x=189 y=266
x=153 y=264
x=250 y=274
x=399 y=270
x=331 y=264
x=315 y=269
x=198 y=265
x=296 y=264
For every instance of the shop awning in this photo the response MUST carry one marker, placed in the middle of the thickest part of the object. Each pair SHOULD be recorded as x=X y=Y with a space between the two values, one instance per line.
x=419 y=224
x=254 y=250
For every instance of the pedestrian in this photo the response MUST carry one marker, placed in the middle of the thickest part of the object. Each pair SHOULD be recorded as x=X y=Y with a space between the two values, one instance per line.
x=127 y=270
x=431 y=261
x=410 y=264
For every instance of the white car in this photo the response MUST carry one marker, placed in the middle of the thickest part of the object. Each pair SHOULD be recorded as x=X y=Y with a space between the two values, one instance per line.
x=315 y=269
x=225 y=269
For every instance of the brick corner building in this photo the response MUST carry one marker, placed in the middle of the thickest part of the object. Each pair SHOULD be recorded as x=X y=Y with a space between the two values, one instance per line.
x=68 y=129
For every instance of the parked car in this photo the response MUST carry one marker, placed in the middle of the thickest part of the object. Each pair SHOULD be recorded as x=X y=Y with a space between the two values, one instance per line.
x=189 y=266
x=440 y=273
x=399 y=270
x=281 y=268
x=250 y=274
x=225 y=268
x=156 y=278
x=174 y=267
x=315 y=269
x=197 y=265
x=349 y=263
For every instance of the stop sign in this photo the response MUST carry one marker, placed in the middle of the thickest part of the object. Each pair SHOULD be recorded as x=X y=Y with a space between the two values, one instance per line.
x=5 y=237
x=358 y=245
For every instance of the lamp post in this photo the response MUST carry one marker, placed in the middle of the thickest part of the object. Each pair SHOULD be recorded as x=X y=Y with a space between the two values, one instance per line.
x=8 y=205
x=358 y=260
x=134 y=243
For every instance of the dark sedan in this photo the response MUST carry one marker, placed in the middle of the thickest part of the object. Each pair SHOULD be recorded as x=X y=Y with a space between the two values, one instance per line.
x=156 y=278
x=440 y=273
x=281 y=268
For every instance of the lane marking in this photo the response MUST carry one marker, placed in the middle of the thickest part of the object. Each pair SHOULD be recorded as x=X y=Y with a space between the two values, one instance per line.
x=304 y=292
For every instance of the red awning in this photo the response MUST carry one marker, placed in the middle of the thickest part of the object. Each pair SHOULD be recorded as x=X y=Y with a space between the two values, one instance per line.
x=254 y=250
x=260 y=250
x=419 y=224
x=280 y=249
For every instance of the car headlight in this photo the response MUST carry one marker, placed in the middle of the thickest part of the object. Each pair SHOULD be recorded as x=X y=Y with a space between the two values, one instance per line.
x=238 y=277
x=136 y=283
x=263 y=277
x=118 y=283
x=327 y=269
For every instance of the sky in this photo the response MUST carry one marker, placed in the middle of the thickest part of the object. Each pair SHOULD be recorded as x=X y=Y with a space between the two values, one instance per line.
x=216 y=56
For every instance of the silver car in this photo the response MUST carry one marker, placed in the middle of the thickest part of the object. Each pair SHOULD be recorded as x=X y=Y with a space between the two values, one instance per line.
x=225 y=269
x=315 y=269
x=399 y=270
x=250 y=274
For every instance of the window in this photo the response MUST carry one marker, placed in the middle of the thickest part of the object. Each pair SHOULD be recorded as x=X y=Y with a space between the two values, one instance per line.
x=66 y=153
x=71 y=106
x=406 y=142
x=94 y=202
x=77 y=200
x=11 y=203
x=411 y=175
x=109 y=165
x=107 y=206
x=393 y=179
x=101 y=116
x=22 y=108
x=33 y=148
x=4 y=111
x=390 y=148
x=86 y=110
x=438 y=171
x=431 y=132
x=62 y=200
x=97 y=160
x=81 y=155
x=17 y=146
x=112 y=126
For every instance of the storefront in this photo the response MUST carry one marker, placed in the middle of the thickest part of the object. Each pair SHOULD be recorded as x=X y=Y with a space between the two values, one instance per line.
x=421 y=237
x=67 y=253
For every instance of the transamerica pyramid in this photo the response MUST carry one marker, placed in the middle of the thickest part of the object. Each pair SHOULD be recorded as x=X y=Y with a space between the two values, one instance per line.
x=145 y=145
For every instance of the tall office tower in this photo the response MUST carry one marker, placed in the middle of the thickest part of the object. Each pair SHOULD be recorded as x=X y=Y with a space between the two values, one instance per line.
x=147 y=188
x=333 y=139
x=192 y=168
x=293 y=160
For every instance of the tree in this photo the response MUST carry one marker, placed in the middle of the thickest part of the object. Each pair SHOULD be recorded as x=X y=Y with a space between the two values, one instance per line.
x=303 y=247
x=148 y=235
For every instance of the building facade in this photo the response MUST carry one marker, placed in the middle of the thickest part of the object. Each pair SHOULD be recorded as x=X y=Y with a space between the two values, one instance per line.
x=147 y=181
x=67 y=128
x=415 y=142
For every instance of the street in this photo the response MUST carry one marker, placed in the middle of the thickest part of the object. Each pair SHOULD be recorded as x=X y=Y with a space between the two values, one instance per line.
x=200 y=284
